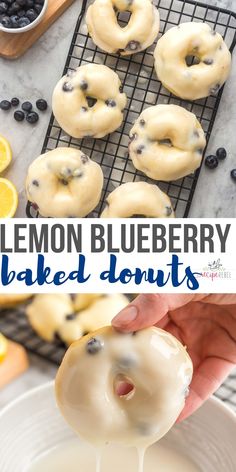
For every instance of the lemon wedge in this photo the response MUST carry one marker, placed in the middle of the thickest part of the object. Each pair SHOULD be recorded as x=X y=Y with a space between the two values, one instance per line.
x=5 y=153
x=3 y=347
x=8 y=199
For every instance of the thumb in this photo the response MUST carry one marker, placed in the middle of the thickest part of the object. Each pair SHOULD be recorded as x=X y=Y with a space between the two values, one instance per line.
x=147 y=310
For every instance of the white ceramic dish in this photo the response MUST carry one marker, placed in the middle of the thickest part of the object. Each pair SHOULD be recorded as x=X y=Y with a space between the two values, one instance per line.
x=31 y=25
x=32 y=425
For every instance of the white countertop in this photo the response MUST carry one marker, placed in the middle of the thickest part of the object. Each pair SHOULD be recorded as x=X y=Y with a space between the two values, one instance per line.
x=35 y=75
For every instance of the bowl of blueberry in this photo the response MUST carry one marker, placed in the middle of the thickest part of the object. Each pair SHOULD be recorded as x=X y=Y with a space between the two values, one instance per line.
x=19 y=16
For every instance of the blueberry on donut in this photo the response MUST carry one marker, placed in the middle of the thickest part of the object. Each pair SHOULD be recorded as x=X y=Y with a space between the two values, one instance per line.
x=88 y=101
x=192 y=61
x=138 y=199
x=167 y=142
x=92 y=381
x=64 y=183
x=140 y=32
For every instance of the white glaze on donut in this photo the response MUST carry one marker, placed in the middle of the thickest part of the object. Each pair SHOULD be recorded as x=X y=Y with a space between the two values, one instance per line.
x=97 y=315
x=81 y=301
x=167 y=142
x=138 y=199
x=89 y=101
x=140 y=32
x=47 y=312
x=93 y=369
x=64 y=183
x=199 y=80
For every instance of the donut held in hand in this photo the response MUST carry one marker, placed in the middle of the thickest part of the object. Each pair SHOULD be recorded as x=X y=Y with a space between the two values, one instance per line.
x=138 y=200
x=89 y=101
x=140 y=32
x=201 y=79
x=167 y=142
x=64 y=183
x=92 y=382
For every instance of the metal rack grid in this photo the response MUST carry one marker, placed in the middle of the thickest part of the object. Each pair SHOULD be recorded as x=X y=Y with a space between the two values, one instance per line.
x=14 y=325
x=143 y=89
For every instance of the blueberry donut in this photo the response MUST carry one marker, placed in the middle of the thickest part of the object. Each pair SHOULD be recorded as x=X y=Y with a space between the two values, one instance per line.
x=64 y=183
x=89 y=101
x=97 y=315
x=138 y=200
x=130 y=388
x=47 y=313
x=167 y=142
x=140 y=32
x=210 y=69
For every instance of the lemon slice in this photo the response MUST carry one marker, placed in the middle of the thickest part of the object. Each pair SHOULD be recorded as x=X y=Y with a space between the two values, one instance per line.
x=5 y=153
x=8 y=199
x=3 y=347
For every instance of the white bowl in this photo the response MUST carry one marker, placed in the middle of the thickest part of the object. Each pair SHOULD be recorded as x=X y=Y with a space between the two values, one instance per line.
x=30 y=26
x=32 y=425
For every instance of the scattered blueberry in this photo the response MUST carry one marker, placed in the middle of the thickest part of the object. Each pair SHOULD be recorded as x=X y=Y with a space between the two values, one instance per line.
x=233 y=174
x=211 y=162
x=221 y=154
x=19 y=115
x=5 y=105
x=41 y=104
x=94 y=346
x=27 y=106
x=15 y=102
x=32 y=117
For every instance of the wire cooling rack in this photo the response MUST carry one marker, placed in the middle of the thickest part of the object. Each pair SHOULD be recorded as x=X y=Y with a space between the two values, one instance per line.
x=14 y=325
x=143 y=89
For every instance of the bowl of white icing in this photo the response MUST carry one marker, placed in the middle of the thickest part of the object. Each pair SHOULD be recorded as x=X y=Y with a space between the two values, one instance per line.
x=35 y=437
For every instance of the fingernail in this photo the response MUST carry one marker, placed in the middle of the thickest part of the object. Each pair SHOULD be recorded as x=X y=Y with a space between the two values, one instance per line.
x=125 y=317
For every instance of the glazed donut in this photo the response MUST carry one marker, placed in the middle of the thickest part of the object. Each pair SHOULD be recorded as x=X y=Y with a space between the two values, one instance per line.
x=64 y=183
x=11 y=299
x=198 y=80
x=89 y=101
x=139 y=34
x=91 y=379
x=47 y=313
x=167 y=142
x=138 y=200
x=97 y=315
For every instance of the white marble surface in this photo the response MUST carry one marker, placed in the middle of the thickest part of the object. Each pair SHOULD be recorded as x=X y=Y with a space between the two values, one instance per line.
x=35 y=74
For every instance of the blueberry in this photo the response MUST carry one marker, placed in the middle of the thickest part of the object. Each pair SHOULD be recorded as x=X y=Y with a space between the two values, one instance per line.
x=22 y=22
x=221 y=154
x=110 y=103
x=121 y=89
x=208 y=62
x=41 y=104
x=94 y=346
x=31 y=14
x=15 y=7
x=133 y=137
x=14 y=21
x=3 y=7
x=168 y=211
x=214 y=90
x=15 y=102
x=84 y=109
x=29 y=3
x=71 y=317
x=21 y=13
x=35 y=183
x=67 y=87
x=19 y=115
x=133 y=46
x=84 y=159
x=211 y=162
x=233 y=174
x=5 y=105
x=64 y=182
x=38 y=8
x=32 y=117
x=6 y=22
x=22 y=3
x=41 y=2
x=84 y=85
x=140 y=149
x=142 y=122
x=27 y=106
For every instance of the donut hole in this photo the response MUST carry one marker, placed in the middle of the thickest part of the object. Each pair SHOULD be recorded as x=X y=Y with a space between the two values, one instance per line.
x=165 y=142
x=123 y=387
x=192 y=60
x=91 y=101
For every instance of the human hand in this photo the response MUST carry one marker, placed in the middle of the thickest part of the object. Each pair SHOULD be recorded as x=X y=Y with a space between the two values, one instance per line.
x=206 y=324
